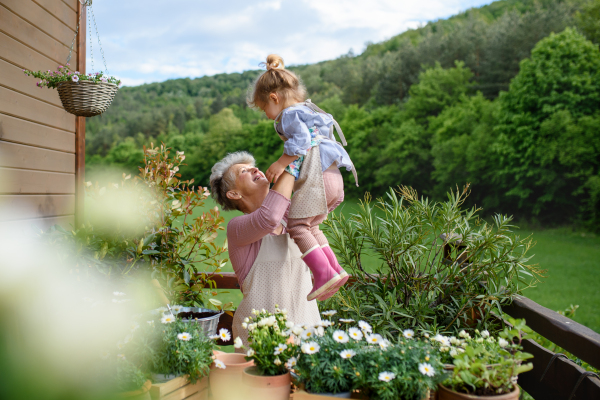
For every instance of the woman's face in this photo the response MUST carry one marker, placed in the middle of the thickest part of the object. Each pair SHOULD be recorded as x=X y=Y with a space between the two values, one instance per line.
x=250 y=183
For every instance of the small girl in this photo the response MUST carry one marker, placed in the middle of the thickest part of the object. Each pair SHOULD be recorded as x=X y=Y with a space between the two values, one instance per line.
x=313 y=157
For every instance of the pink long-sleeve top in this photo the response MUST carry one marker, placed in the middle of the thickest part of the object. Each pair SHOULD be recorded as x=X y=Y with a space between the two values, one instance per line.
x=245 y=233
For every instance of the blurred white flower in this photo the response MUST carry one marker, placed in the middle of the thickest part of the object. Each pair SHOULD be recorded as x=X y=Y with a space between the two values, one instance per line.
x=279 y=349
x=289 y=324
x=346 y=320
x=184 y=336
x=374 y=338
x=249 y=353
x=118 y=294
x=220 y=364
x=408 y=333
x=176 y=308
x=320 y=331
x=297 y=330
x=224 y=335
x=329 y=313
x=244 y=325
x=485 y=334
x=310 y=348
x=365 y=326
x=307 y=333
x=502 y=342
x=167 y=319
x=347 y=353
x=426 y=369
x=386 y=376
x=340 y=336
x=355 y=333
x=237 y=343
x=291 y=363
x=277 y=361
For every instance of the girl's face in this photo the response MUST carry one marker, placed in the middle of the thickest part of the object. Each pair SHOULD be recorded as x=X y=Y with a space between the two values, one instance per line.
x=273 y=106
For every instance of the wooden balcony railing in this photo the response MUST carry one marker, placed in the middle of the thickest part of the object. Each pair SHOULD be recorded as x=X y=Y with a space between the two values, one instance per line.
x=554 y=376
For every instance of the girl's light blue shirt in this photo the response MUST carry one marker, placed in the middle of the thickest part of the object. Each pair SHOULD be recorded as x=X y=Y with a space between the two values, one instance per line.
x=296 y=124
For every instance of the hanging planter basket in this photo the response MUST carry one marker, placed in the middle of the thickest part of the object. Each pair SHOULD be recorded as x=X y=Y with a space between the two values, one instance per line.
x=86 y=99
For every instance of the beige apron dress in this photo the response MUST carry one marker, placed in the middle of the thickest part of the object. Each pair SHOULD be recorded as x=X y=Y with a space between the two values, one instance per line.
x=278 y=276
x=309 y=199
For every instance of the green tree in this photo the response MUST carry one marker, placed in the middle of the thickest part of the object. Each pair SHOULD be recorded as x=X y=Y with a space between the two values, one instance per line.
x=560 y=80
x=588 y=20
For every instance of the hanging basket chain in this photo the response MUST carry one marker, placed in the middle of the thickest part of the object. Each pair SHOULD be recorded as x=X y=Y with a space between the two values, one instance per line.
x=88 y=6
x=91 y=41
x=98 y=36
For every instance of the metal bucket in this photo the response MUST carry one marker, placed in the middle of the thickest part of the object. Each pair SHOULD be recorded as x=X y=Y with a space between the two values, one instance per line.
x=208 y=324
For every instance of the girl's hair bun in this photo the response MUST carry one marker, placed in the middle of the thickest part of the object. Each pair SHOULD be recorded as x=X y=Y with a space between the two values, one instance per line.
x=274 y=62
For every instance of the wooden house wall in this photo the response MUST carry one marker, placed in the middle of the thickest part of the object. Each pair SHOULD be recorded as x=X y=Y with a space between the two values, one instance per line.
x=42 y=147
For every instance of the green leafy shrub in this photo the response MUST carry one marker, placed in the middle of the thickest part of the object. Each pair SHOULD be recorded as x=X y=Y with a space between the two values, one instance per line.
x=418 y=285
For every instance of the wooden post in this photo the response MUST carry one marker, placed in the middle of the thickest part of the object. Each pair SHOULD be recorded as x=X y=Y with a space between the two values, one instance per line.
x=80 y=126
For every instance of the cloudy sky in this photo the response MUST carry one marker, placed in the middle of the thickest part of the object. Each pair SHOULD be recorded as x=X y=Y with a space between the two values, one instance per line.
x=154 y=40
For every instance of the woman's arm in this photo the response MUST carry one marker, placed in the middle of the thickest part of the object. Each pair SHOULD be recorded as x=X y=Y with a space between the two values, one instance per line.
x=249 y=228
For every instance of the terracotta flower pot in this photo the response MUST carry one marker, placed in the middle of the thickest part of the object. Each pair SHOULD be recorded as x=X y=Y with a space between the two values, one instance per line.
x=446 y=394
x=259 y=387
x=142 y=393
x=226 y=384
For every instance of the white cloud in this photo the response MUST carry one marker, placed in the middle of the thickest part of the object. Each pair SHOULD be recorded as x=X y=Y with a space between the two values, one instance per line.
x=154 y=40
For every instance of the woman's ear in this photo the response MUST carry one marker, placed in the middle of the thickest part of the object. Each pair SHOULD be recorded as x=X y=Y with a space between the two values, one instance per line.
x=273 y=96
x=233 y=195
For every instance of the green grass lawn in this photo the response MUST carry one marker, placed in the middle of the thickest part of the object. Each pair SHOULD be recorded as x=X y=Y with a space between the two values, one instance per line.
x=572 y=260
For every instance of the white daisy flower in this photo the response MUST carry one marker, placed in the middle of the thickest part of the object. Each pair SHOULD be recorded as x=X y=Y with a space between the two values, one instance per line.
x=184 y=336
x=307 y=333
x=325 y=323
x=329 y=313
x=214 y=337
x=291 y=363
x=485 y=334
x=355 y=333
x=176 y=308
x=289 y=324
x=297 y=330
x=347 y=353
x=220 y=364
x=502 y=342
x=443 y=340
x=426 y=334
x=250 y=353
x=246 y=320
x=277 y=361
x=224 y=335
x=374 y=338
x=384 y=344
x=453 y=352
x=340 y=336
x=237 y=343
x=426 y=369
x=279 y=349
x=310 y=348
x=386 y=376
x=252 y=327
x=244 y=325
x=134 y=326
x=167 y=319
x=454 y=340
x=320 y=331
x=408 y=333
x=121 y=356
x=346 y=320
x=120 y=345
x=365 y=326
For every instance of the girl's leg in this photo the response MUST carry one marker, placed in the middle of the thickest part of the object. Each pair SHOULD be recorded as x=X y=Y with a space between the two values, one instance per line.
x=325 y=277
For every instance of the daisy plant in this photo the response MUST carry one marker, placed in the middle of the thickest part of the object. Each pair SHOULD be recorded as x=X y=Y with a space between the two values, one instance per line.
x=52 y=79
x=488 y=366
x=326 y=362
x=270 y=347
x=170 y=346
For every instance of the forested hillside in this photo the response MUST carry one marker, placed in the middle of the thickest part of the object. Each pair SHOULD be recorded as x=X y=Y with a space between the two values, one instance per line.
x=506 y=97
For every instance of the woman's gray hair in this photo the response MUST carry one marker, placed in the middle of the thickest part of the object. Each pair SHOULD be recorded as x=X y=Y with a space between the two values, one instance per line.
x=222 y=179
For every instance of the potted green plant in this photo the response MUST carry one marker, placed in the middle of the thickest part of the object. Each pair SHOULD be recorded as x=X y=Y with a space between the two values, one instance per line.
x=178 y=355
x=486 y=367
x=124 y=379
x=272 y=351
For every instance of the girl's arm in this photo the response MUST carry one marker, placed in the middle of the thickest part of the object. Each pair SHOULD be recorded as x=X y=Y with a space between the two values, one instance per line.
x=277 y=168
x=249 y=228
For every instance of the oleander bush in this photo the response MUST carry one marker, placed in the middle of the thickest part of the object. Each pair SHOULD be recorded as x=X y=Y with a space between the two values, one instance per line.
x=440 y=268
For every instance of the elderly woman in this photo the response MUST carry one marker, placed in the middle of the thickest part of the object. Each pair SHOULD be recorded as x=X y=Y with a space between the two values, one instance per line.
x=266 y=261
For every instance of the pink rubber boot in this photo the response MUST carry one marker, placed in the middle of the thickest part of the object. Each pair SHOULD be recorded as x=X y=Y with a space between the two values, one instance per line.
x=324 y=275
x=338 y=269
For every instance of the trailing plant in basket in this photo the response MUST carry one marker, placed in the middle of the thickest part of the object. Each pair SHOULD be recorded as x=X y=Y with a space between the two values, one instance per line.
x=418 y=285
x=52 y=79
x=268 y=334
x=490 y=366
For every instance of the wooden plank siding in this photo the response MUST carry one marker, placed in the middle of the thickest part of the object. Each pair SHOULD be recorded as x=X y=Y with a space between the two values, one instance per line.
x=42 y=147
